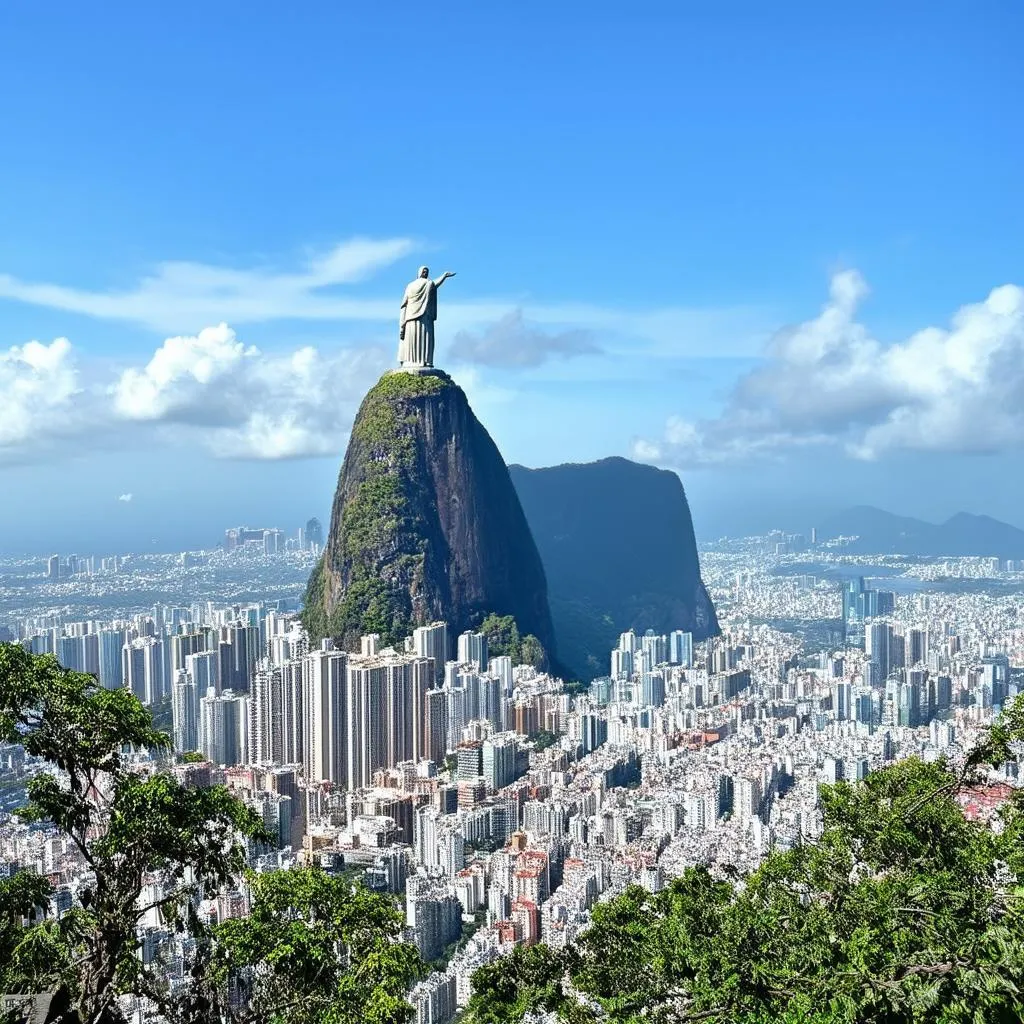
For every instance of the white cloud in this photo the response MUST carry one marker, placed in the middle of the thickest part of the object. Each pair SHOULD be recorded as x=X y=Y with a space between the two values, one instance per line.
x=125 y=497
x=38 y=388
x=185 y=296
x=512 y=342
x=828 y=381
x=246 y=403
x=209 y=389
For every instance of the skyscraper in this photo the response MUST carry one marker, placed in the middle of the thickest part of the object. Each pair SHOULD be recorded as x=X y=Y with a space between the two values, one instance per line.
x=432 y=642
x=435 y=726
x=184 y=712
x=314 y=533
x=473 y=649
x=877 y=646
x=142 y=668
x=266 y=715
x=111 y=643
x=203 y=668
x=680 y=648
x=366 y=722
x=327 y=710
x=223 y=728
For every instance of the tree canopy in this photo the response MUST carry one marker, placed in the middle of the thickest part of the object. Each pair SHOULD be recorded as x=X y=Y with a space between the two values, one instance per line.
x=503 y=638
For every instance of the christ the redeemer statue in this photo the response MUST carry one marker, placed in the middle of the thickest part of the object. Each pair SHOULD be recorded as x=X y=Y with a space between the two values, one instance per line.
x=416 y=321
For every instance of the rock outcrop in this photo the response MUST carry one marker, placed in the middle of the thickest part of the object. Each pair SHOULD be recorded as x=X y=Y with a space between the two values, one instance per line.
x=617 y=542
x=426 y=524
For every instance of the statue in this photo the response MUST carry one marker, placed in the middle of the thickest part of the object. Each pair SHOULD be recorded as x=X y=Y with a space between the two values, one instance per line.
x=416 y=321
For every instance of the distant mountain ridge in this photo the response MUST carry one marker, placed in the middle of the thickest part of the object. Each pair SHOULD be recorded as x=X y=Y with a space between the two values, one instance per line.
x=962 y=535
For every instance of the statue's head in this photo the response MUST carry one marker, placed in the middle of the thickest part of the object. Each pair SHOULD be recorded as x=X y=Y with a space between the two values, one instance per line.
x=424 y=271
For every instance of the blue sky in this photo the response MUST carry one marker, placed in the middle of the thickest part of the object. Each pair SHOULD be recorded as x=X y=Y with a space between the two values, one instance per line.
x=712 y=236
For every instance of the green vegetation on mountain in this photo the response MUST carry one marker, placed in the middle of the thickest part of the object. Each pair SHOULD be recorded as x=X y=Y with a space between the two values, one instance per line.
x=379 y=516
x=903 y=911
x=426 y=524
x=313 y=949
x=503 y=639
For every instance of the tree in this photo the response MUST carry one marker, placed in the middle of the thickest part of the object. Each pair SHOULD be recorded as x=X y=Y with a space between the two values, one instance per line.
x=27 y=951
x=903 y=911
x=313 y=949
x=531 y=652
x=127 y=826
x=503 y=638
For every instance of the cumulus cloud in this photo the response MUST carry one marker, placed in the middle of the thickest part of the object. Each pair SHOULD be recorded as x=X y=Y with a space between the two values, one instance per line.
x=958 y=389
x=125 y=497
x=211 y=389
x=247 y=403
x=38 y=390
x=512 y=342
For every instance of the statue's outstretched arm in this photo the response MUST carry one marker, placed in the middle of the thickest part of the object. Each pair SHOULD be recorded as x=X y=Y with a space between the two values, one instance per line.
x=444 y=277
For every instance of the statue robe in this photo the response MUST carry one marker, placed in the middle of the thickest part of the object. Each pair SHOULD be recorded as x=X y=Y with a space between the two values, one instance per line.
x=416 y=323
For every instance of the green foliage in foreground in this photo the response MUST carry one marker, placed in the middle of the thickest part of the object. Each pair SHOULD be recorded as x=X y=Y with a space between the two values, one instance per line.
x=314 y=949
x=904 y=911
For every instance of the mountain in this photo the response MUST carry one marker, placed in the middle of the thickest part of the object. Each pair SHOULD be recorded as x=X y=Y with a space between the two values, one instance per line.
x=880 y=532
x=617 y=542
x=426 y=524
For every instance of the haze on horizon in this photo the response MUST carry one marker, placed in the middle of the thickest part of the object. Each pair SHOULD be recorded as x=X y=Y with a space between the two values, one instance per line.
x=775 y=250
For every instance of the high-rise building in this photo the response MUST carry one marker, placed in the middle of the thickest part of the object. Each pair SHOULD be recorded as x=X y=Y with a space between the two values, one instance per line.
x=655 y=647
x=111 y=671
x=499 y=760
x=680 y=648
x=366 y=721
x=223 y=728
x=435 y=729
x=239 y=650
x=184 y=644
x=68 y=653
x=184 y=712
x=501 y=667
x=266 y=715
x=877 y=646
x=917 y=646
x=314 y=533
x=327 y=708
x=842 y=698
x=863 y=705
x=473 y=649
x=432 y=642
x=142 y=668
x=469 y=758
x=53 y=567
x=203 y=667
x=909 y=704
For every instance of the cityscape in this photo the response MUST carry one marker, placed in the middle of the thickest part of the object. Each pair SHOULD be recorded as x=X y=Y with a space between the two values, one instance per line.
x=511 y=514
x=497 y=803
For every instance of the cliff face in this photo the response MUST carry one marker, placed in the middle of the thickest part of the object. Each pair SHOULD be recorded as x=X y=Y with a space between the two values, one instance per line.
x=426 y=524
x=617 y=543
